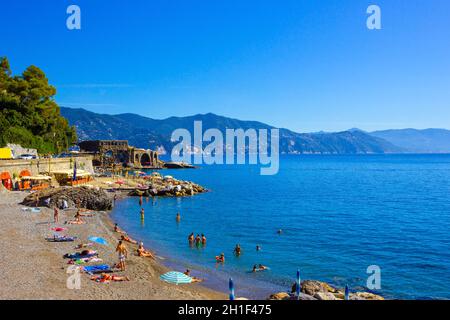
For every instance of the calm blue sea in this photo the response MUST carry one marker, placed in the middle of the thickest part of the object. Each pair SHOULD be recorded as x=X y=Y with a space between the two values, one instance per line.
x=339 y=214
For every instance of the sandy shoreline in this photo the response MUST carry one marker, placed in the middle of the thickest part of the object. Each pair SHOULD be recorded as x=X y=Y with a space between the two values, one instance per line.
x=33 y=268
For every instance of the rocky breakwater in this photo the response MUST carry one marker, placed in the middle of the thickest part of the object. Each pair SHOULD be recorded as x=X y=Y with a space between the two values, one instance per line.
x=167 y=187
x=317 y=290
x=85 y=197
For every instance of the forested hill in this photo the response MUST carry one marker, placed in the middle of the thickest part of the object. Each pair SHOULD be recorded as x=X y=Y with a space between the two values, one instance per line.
x=28 y=113
x=153 y=133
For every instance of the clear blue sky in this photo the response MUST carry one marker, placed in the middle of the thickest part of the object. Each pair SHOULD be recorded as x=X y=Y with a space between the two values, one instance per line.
x=306 y=65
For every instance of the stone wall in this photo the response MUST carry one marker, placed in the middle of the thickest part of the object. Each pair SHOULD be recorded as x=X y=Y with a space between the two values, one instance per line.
x=37 y=166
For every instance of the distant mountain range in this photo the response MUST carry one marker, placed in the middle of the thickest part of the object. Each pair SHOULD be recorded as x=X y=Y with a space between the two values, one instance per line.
x=151 y=133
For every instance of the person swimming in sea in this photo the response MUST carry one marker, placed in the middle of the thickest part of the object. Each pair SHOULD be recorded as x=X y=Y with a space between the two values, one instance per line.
x=262 y=268
x=221 y=258
x=259 y=267
x=280 y=231
x=258 y=247
x=237 y=250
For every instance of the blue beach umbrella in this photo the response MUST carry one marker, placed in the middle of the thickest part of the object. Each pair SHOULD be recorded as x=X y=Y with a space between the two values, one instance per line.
x=98 y=240
x=176 y=277
x=298 y=285
x=346 y=296
x=231 y=287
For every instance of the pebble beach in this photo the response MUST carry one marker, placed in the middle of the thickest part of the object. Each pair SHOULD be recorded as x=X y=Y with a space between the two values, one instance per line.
x=33 y=268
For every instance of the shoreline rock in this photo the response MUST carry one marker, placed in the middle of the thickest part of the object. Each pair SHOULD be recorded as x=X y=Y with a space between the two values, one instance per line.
x=88 y=198
x=318 y=290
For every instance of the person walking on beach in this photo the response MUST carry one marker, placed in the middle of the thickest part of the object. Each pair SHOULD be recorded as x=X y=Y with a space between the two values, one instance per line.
x=55 y=214
x=123 y=252
x=114 y=199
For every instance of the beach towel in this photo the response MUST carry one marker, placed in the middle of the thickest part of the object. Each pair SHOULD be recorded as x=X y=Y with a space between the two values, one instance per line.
x=59 y=229
x=78 y=255
x=61 y=239
x=102 y=268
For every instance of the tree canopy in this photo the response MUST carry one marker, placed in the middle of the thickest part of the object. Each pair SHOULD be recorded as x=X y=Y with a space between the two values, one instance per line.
x=28 y=113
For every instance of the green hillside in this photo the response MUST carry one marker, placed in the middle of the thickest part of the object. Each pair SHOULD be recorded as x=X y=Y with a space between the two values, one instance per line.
x=28 y=113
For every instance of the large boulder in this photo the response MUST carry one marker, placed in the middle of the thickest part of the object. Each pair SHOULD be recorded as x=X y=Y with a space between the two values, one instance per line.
x=367 y=296
x=325 y=296
x=85 y=197
x=311 y=287
x=280 y=296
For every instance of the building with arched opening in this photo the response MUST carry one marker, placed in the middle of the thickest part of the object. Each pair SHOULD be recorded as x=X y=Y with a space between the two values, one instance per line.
x=108 y=153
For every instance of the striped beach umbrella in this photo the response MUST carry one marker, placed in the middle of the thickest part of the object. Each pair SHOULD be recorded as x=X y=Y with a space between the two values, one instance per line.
x=298 y=285
x=231 y=287
x=346 y=295
x=176 y=277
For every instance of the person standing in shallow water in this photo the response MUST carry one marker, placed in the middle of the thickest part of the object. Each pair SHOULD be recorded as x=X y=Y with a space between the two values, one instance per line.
x=198 y=240
x=140 y=200
x=203 y=240
x=178 y=218
x=191 y=239
x=237 y=250
x=142 y=213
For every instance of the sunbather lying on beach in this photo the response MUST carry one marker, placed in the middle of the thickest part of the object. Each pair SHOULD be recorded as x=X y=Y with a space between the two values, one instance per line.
x=84 y=214
x=118 y=230
x=194 y=279
x=128 y=239
x=84 y=245
x=105 y=278
x=77 y=220
x=144 y=253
